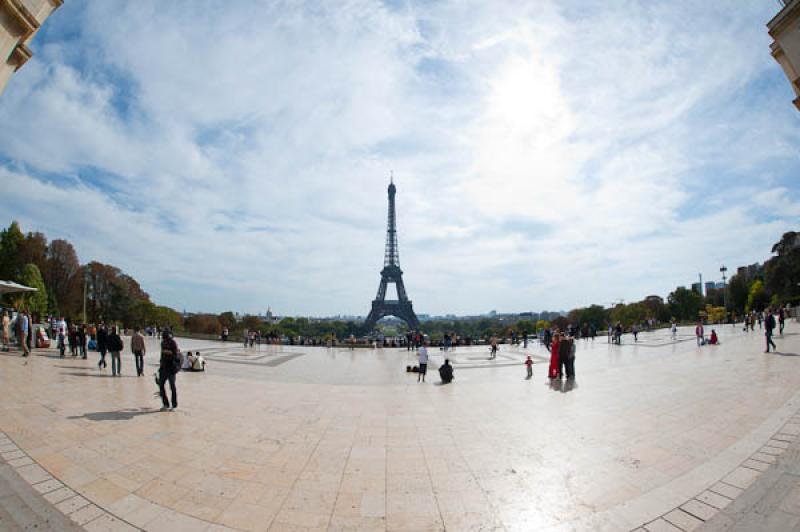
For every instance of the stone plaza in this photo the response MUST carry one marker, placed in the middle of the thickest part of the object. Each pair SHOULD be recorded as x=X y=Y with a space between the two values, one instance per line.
x=656 y=435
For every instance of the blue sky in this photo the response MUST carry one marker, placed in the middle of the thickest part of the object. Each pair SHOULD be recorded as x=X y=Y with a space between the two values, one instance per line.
x=547 y=154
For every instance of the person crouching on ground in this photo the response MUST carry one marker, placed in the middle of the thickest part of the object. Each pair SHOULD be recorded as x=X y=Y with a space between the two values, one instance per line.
x=714 y=339
x=446 y=372
x=169 y=366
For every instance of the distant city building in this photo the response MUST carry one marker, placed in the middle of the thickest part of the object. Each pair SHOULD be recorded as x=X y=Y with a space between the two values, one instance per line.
x=697 y=287
x=710 y=285
x=19 y=22
x=783 y=28
x=720 y=285
x=750 y=272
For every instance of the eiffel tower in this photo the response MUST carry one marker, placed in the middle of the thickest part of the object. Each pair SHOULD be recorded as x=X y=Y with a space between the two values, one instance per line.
x=391 y=273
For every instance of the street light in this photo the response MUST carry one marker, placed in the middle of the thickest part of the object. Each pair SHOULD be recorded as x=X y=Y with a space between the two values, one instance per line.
x=722 y=270
x=85 y=283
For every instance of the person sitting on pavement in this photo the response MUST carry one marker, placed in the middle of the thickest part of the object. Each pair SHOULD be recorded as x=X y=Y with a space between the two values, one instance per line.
x=714 y=340
x=446 y=372
x=198 y=362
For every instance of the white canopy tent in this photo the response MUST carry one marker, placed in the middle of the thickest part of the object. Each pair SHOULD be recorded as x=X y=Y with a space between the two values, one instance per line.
x=8 y=287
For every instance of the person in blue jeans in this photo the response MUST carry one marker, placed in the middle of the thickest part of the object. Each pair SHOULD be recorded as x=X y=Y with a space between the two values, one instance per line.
x=115 y=345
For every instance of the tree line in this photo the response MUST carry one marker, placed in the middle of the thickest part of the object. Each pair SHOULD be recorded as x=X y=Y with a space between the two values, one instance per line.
x=62 y=282
x=111 y=295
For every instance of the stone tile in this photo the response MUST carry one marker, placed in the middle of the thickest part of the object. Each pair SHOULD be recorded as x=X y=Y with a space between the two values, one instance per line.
x=33 y=473
x=245 y=516
x=774 y=451
x=21 y=461
x=755 y=464
x=103 y=492
x=58 y=495
x=714 y=499
x=175 y=522
x=86 y=514
x=778 y=443
x=683 y=520
x=136 y=510
x=10 y=455
x=741 y=477
x=47 y=486
x=660 y=525
x=108 y=523
x=699 y=509
x=766 y=458
x=726 y=490
x=67 y=506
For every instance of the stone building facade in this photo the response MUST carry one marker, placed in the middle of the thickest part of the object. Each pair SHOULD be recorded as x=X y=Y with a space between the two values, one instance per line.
x=784 y=28
x=19 y=21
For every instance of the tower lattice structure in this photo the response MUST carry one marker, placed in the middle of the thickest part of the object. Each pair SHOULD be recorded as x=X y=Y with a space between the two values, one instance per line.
x=391 y=273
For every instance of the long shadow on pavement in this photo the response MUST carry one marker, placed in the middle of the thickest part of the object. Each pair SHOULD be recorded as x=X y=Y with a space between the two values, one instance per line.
x=115 y=415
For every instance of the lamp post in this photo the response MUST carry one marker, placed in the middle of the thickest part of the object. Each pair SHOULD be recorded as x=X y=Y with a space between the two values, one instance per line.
x=85 y=283
x=722 y=270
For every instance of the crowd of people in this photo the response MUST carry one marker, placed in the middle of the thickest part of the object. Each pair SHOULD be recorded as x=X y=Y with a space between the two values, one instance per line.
x=80 y=338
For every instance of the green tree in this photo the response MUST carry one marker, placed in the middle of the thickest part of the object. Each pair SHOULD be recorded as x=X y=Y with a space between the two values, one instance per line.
x=758 y=298
x=738 y=290
x=782 y=272
x=685 y=304
x=11 y=263
x=36 y=301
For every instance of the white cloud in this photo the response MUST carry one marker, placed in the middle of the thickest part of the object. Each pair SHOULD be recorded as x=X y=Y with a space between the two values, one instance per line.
x=546 y=154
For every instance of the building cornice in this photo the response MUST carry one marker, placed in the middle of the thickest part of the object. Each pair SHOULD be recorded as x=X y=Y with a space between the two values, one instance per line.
x=26 y=21
x=784 y=17
x=20 y=56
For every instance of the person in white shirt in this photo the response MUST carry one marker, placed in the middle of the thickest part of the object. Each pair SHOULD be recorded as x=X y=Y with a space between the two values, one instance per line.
x=423 y=362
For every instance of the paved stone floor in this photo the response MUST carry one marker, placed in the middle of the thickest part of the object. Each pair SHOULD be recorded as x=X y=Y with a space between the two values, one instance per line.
x=299 y=438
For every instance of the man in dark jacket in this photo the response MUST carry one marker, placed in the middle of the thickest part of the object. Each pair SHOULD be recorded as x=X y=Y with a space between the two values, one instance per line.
x=102 y=344
x=170 y=365
x=769 y=325
x=115 y=345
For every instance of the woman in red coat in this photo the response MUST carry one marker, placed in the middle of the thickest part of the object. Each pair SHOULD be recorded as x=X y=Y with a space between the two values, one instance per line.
x=554 y=361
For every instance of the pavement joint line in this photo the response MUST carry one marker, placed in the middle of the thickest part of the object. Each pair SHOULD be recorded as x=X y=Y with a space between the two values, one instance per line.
x=67 y=509
x=765 y=449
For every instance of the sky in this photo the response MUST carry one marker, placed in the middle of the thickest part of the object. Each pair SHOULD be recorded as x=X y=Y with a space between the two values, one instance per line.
x=547 y=154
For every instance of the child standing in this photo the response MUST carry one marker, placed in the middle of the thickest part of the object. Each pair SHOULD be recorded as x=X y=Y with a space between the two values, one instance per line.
x=529 y=366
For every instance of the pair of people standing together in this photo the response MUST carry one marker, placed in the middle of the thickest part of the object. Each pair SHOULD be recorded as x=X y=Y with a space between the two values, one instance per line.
x=562 y=357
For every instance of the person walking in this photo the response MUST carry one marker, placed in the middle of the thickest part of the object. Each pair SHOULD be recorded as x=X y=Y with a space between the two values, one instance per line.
x=72 y=338
x=115 y=346
x=493 y=342
x=102 y=345
x=569 y=362
x=529 y=367
x=674 y=330
x=168 y=369
x=82 y=340
x=635 y=331
x=555 y=370
x=6 y=331
x=699 y=333
x=769 y=326
x=781 y=320
x=423 y=361
x=138 y=348
x=22 y=333
x=564 y=351
x=62 y=342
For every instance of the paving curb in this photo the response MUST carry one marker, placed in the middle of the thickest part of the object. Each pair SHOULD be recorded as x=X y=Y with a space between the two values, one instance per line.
x=707 y=504
x=77 y=508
